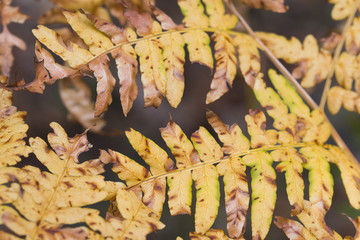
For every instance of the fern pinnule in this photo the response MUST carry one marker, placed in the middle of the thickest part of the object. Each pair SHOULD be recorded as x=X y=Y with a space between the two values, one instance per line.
x=9 y=14
x=12 y=145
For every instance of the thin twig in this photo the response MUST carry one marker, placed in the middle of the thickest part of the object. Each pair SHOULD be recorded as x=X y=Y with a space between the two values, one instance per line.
x=336 y=56
x=335 y=135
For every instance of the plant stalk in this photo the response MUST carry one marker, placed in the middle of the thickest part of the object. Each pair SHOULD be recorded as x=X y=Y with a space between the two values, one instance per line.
x=335 y=135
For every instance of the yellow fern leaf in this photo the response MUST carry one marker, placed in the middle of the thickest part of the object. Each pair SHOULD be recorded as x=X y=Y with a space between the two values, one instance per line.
x=153 y=75
x=339 y=96
x=314 y=63
x=349 y=173
x=342 y=8
x=217 y=17
x=206 y=180
x=291 y=162
x=12 y=145
x=346 y=71
x=211 y=234
x=256 y=123
x=321 y=181
x=47 y=200
x=180 y=184
x=263 y=194
x=174 y=59
x=136 y=221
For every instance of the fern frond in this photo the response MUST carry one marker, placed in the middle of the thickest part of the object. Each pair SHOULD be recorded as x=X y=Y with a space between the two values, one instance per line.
x=38 y=204
x=267 y=145
x=12 y=145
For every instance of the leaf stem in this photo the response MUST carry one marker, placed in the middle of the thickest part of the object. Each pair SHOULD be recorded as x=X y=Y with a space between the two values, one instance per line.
x=335 y=135
x=202 y=164
x=336 y=56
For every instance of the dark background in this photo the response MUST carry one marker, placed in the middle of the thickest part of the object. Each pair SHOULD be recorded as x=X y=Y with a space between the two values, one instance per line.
x=304 y=17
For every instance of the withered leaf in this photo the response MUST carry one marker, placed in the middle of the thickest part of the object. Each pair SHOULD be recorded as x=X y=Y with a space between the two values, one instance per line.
x=9 y=15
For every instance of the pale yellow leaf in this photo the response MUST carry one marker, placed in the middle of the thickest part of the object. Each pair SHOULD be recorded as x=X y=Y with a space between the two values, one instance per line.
x=263 y=194
x=126 y=168
x=275 y=107
x=338 y=97
x=199 y=49
x=342 y=8
x=180 y=193
x=207 y=197
x=153 y=155
x=180 y=184
x=321 y=181
x=154 y=194
x=350 y=174
x=193 y=12
x=74 y=54
x=96 y=40
x=174 y=59
x=206 y=145
x=291 y=163
x=153 y=75
x=217 y=16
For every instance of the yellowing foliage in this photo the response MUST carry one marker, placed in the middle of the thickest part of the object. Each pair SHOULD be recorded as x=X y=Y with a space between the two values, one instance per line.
x=14 y=129
x=56 y=203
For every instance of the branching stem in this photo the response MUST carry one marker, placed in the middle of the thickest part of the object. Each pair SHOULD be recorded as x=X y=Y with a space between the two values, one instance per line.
x=335 y=135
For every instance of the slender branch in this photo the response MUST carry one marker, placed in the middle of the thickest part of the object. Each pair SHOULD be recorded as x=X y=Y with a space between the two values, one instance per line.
x=335 y=135
x=336 y=56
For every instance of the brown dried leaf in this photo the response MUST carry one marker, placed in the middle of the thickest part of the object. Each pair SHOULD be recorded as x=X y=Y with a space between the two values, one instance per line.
x=293 y=229
x=166 y=22
x=105 y=85
x=76 y=96
x=225 y=66
x=273 y=5
x=312 y=217
x=9 y=15
x=232 y=137
x=236 y=195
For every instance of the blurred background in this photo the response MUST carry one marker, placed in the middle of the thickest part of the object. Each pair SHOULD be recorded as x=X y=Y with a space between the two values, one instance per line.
x=304 y=17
